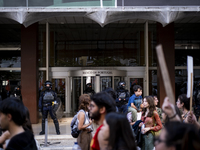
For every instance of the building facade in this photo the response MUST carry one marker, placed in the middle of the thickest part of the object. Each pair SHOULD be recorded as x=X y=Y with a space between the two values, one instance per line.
x=102 y=42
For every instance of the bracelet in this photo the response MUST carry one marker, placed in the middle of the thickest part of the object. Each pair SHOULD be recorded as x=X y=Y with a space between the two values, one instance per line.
x=172 y=116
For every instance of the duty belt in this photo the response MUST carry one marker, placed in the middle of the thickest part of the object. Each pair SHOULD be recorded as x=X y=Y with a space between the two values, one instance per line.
x=47 y=105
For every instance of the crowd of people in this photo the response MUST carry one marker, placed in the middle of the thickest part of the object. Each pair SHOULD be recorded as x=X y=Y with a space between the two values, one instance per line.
x=170 y=127
x=109 y=120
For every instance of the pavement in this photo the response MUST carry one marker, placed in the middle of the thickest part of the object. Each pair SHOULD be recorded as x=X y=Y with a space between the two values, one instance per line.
x=64 y=141
x=54 y=141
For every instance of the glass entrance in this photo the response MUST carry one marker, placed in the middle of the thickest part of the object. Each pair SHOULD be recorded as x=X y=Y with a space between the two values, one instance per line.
x=105 y=82
x=87 y=80
x=59 y=88
x=116 y=81
x=135 y=81
x=75 y=93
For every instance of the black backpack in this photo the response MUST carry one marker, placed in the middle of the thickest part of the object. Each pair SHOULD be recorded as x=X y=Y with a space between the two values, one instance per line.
x=74 y=127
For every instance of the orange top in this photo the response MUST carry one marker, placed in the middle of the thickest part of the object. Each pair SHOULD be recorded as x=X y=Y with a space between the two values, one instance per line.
x=154 y=122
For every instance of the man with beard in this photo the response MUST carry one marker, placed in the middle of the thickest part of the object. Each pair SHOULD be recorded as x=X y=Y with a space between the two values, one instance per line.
x=101 y=104
x=12 y=118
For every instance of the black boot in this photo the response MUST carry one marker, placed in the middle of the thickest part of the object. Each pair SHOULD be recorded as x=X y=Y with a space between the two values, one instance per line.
x=57 y=127
x=43 y=129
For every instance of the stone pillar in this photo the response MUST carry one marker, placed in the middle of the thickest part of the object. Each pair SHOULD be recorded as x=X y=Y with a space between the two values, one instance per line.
x=166 y=38
x=29 y=69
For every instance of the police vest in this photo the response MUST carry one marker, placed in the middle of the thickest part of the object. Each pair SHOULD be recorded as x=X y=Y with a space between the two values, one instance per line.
x=48 y=97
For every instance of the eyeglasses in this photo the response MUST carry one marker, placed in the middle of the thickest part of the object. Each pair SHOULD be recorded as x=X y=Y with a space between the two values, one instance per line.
x=157 y=140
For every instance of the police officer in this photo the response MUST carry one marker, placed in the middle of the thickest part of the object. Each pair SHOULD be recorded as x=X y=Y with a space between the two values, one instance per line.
x=89 y=89
x=47 y=100
x=122 y=97
x=17 y=93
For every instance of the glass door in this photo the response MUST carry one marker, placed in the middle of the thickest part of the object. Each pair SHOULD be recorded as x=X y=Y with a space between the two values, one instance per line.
x=87 y=80
x=75 y=93
x=116 y=81
x=59 y=88
x=135 y=81
x=105 y=82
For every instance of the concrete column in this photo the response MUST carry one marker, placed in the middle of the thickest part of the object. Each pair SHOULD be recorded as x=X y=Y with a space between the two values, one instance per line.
x=166 y=38
x=29 y=69
x=97 y=83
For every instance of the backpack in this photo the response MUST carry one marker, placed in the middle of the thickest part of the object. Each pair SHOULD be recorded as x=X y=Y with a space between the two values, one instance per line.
x=74 y=125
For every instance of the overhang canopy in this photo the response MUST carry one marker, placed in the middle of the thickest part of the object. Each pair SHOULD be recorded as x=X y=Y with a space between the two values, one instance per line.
x=103 y=12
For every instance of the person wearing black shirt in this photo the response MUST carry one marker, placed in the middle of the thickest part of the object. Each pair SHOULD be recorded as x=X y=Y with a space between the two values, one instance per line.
x=12 y=118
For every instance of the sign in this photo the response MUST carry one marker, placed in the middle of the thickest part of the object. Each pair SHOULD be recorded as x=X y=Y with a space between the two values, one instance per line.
x=97 y=72
x=189 y=73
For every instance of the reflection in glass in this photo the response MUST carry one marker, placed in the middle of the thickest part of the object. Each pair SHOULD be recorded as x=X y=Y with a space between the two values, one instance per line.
x=135 y=81
x=75 y=93
x=42 y=46
x=106 y=82
x=187 y=41
x=116 y=81
x=10 y=59
x=59 y=88
x=153 y=88
x=10 y=45
x=75 y=45
x=152 y=35
x=88 y=79
x=9 y=80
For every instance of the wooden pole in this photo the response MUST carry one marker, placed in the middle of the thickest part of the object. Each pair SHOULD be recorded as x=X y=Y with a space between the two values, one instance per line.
x=165 y=74
x=191 y=92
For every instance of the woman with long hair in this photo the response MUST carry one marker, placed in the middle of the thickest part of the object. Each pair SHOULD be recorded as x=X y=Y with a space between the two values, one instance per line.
x=117 y=132
x=84 y=123
x=151 y=122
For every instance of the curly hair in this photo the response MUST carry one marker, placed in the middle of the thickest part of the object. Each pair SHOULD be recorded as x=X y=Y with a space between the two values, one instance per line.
x=152 y=106
x=84 y=101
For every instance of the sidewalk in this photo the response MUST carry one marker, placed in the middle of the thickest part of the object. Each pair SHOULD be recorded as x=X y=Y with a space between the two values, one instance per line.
x=55 y=142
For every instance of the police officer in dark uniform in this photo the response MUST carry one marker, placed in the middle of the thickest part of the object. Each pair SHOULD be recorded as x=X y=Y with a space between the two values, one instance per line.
x=47 y=100
x=89 y=89
x=17 y=93
x=122 y=97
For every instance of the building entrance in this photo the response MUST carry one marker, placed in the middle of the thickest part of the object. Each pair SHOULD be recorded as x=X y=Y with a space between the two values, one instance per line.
x=70 y=83
x=99 y=79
